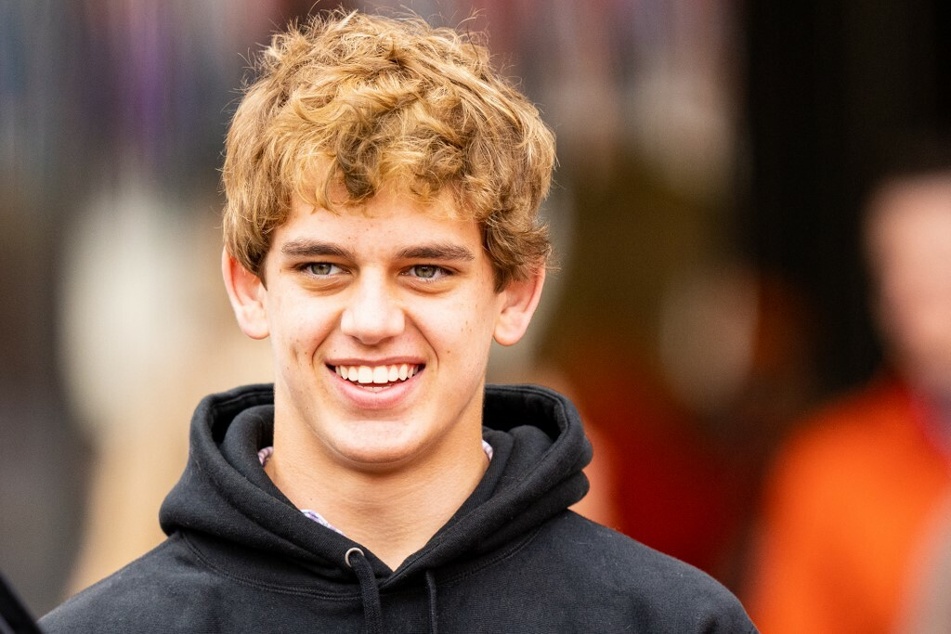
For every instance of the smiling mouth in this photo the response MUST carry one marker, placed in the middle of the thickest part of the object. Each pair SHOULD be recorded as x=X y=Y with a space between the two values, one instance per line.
x=379 y=375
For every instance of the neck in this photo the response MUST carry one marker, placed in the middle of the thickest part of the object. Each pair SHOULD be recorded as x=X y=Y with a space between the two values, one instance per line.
x=392 y=512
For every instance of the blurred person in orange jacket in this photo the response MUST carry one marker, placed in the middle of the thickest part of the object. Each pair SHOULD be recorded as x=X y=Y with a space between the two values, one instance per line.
x=856 y=496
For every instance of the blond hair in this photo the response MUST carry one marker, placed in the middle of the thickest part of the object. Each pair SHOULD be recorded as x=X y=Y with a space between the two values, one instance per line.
x=348 y=103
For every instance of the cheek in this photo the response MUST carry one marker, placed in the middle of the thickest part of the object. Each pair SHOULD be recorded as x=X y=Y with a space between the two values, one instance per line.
x=301 y=326
x=462 y=328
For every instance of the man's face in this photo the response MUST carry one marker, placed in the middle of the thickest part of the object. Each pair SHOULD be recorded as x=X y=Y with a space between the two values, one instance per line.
x=380 y=326
x=911 y=250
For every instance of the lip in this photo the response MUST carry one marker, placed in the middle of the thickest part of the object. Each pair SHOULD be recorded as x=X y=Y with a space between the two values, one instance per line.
x=372 y=396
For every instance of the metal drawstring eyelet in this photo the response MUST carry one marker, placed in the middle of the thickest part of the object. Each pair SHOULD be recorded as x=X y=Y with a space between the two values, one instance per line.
x=346 y=556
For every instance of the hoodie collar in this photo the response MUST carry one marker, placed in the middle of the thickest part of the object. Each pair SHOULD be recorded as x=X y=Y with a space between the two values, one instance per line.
x=225 y=499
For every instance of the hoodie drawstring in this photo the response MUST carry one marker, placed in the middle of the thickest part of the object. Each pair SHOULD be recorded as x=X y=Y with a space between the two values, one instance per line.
x=370 y=593
x=431 y=591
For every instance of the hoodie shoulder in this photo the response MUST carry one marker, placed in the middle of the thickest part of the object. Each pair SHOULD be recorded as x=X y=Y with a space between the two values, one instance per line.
x=657 y=591
x=140 y=597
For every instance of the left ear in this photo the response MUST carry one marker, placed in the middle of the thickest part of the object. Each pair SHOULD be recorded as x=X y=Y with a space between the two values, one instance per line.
x=520 y=299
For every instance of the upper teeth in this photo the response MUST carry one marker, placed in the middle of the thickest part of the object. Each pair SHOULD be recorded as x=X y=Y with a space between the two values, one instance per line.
x=376 y=374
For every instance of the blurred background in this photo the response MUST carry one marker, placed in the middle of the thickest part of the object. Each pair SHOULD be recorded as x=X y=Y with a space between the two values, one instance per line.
x=713 y=157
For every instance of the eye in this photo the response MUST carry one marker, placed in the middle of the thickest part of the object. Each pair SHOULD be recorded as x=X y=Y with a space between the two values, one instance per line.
x=427 y=271
x=321 y=269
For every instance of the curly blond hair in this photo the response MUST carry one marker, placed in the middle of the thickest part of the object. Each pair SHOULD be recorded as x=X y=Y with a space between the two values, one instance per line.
x=348 y=103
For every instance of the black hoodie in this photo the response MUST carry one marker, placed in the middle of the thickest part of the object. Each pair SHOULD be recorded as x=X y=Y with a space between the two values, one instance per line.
x=241 y=558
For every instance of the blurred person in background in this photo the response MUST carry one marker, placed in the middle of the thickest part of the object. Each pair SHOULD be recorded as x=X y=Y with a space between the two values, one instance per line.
x=381 y=229
x=856 y=508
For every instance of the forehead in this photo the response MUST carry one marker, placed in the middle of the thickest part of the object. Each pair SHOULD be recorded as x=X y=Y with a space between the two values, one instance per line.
x=387 y=220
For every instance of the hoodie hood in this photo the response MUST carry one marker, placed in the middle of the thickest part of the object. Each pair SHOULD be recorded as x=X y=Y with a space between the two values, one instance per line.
x=225 y=502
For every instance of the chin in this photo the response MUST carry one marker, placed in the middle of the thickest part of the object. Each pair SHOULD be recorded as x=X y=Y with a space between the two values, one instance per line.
x=380 y=456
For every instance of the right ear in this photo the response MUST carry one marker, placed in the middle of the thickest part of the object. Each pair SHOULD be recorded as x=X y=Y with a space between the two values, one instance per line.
x=247 y=294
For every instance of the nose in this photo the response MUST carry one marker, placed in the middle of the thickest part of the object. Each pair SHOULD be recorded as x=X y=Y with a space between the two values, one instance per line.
x=372 y=313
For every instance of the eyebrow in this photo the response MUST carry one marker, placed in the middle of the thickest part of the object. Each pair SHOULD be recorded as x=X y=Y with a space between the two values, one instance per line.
x=438 y=251
x=311 y=248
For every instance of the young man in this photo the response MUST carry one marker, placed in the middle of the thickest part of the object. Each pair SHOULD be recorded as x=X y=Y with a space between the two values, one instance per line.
x=382 y=188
